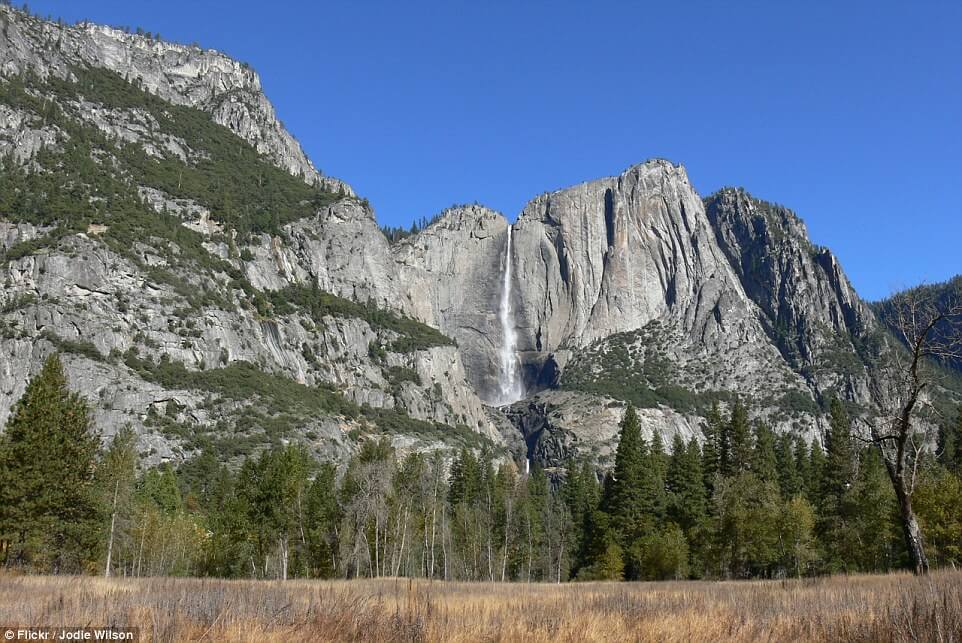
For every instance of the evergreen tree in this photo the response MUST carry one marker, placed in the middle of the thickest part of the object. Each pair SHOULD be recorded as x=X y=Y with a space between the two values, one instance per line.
x=878 y=540
x=49 y=509
x=657 y=456
x=159 y=486
x=465 y=479
x=737 y=443
x=837 y=508
x=711 y=449
x=581 y=493
x=322 y=517
x=198 y=478
x=686 y=488
x=840 y=464
x=533 y=525
x=604 y=558
x=656 y=467
x=746 y=529
x=764 y=460
x=938 y=501
x=624 y=503
x=950 y=445
x=282 y=499
x=229 y=550
x=814 y=473
x=789 y=478
x=803 y=466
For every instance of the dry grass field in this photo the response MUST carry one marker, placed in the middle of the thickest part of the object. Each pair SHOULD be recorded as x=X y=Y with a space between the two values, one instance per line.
x=859 y=608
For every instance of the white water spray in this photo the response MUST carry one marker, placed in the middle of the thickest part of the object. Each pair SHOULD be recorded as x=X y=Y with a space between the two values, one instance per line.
x=511 y=389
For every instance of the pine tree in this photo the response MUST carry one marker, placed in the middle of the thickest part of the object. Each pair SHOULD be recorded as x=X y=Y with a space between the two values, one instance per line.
x=814 y=473
x=655 y=466
x=803 y=467
x=465 y=479
x=228 y=550
x=711 y=464
x=657 y=455
x=879 y=538
x=282 y=499
x=950 y=445
x=837 y=507
x=686 y=488
x=764 y=459
x=736 y=441
x=49 y=509
x=626 y=502
x=789 y=480
x=581 y=493
x=604 y=559
x=839 y=468
x=159 y=487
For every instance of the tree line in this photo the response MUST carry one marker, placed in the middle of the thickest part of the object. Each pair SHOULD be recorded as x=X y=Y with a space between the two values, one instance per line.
x=743 y=502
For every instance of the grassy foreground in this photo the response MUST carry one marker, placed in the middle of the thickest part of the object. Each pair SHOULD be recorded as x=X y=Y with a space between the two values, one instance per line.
x=860 y=608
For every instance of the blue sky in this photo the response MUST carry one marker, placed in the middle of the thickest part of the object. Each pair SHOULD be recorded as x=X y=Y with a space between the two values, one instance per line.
x=850 y=113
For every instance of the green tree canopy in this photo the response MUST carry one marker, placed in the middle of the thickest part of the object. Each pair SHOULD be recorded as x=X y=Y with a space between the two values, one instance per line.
x=49 y=508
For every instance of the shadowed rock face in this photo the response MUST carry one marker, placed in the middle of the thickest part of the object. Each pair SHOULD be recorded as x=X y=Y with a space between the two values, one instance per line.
x=805 y=302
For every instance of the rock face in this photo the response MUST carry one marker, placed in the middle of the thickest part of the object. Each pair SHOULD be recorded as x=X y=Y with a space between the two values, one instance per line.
x=614 y=254
x=563 y=426
x=450 y=275
x=203 y=78
x=158 y=336
x=202 y=330
x=808 y=307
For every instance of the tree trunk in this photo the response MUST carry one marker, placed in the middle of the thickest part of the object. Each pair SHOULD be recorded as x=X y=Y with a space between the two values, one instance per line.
x=444 y=546
x=911 y=531
x=140 y=552
x=434 y=521
x=113 y=523
x=377 y=551
x=507 y=532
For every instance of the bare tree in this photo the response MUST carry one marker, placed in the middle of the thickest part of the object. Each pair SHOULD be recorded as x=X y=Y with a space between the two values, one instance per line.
x=902 y=391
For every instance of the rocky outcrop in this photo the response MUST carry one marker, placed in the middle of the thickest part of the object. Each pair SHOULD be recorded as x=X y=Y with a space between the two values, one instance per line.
x=449 y=277
x=590 y=261
x=229 y=90
x=98 y=307
x=161 y=327
x=559 y=427
x=808 y=307
x=614 y=254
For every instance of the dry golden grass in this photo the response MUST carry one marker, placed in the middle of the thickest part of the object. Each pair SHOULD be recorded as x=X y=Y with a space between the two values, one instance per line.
x=860 y=608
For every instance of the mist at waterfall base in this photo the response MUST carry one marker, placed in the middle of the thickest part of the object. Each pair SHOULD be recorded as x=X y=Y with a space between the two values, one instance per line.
x=511 y=386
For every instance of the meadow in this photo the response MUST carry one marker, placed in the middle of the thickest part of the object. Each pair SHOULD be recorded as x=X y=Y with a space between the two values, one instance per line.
x=894 y=607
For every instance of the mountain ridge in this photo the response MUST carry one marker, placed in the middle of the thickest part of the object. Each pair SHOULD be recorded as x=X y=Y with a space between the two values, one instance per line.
x=275 y=308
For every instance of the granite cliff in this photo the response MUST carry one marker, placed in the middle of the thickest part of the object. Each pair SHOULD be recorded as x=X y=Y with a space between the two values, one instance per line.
x=209 y=287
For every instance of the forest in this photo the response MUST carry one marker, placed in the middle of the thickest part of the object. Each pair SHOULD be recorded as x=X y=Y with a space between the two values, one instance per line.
x=744 y=502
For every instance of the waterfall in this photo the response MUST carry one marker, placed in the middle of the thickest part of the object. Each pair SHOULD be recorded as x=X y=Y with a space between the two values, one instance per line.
x=511 y=390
